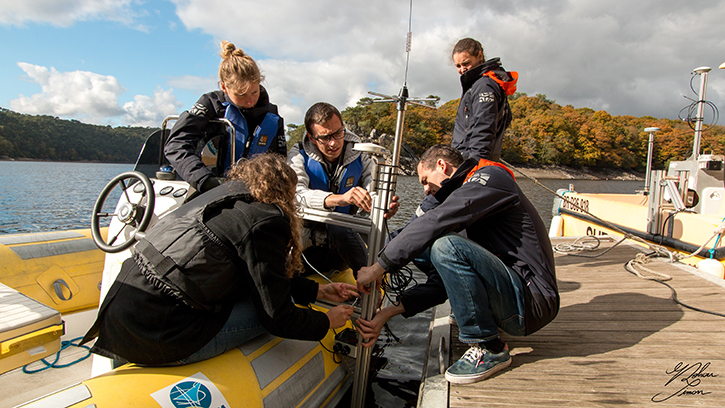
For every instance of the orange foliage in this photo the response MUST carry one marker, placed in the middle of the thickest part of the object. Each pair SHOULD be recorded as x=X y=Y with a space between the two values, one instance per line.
x=543 y=132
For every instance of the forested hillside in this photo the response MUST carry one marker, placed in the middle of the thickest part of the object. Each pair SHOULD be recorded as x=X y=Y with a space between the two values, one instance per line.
x=542 y=133
x=48 y=138
x=546 y=133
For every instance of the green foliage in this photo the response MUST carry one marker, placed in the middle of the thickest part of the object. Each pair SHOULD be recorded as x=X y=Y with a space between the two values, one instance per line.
x=543 y=132
x=49 y=138
x=295 y=133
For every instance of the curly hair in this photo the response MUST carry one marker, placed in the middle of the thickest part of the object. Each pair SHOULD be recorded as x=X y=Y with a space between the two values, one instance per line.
x=237 y=69
x=271 y=181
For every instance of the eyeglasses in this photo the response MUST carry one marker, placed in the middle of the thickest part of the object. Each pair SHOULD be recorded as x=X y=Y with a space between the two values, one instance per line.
x=339 y=134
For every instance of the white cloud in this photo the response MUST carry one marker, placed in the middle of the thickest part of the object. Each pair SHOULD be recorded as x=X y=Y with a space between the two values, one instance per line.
x=339 y=82
x=628 y=58
x=193 y=83
x=91 y=98
x=147 y=111
x=64 y=12
x=625 y=57
x=302 y=31
x=78 y=94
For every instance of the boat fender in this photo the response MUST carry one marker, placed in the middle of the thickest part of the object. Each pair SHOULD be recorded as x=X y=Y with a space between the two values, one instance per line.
x=712 y=266
x=557 y=226
x=558 y=201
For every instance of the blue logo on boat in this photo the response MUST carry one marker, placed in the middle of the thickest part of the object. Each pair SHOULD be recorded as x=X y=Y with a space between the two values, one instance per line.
x=190 y=394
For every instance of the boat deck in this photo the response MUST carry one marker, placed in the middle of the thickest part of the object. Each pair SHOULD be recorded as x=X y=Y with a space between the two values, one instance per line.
x=17 y=387
x=618 y=340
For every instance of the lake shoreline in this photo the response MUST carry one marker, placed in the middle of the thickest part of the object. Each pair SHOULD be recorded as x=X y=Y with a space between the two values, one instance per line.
x=543 y=172
x=584 y=173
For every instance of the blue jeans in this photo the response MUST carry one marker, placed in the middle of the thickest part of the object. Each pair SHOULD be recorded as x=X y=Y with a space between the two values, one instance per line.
x=242 y=326
x=484 y=294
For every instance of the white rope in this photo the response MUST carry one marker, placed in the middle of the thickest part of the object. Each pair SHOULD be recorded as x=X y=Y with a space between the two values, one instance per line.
x=639 y=261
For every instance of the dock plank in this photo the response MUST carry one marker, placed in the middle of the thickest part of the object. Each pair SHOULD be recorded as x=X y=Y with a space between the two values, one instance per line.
x=617 y=340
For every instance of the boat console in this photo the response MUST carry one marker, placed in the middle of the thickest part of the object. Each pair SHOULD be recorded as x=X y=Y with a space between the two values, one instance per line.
x=701 y=182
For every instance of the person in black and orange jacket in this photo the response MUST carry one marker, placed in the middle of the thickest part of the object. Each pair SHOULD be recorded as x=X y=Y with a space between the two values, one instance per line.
x=487 y=252
x=484 y=112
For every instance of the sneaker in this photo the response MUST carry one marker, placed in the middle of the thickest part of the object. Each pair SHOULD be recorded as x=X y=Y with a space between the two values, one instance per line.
x=477 y=364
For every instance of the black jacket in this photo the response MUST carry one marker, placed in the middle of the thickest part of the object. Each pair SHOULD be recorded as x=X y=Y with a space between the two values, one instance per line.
x=483 y=113
x=216 y=250
x=491 y=210
x=193 y=130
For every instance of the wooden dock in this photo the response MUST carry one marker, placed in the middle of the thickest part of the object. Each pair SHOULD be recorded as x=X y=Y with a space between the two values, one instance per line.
x=618 y=340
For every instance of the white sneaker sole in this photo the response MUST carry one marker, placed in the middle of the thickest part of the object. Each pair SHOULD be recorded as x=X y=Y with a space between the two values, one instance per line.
x=472 y=378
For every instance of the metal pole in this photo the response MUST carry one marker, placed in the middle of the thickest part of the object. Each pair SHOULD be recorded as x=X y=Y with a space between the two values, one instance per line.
x=402 y=106
x=650 y=150
x=385 y=178
x=700 y=109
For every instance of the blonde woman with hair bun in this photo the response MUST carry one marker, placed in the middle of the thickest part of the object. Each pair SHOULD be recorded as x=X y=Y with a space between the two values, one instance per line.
x=245 y=102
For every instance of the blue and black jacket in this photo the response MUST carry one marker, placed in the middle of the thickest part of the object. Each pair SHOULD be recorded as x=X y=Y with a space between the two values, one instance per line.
x=345 y=180
x=259 y=129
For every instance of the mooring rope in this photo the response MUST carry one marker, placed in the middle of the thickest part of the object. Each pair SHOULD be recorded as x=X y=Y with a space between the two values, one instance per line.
x=54 y=364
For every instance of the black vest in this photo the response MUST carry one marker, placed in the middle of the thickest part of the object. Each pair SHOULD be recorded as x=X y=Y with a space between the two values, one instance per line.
x=182 y=257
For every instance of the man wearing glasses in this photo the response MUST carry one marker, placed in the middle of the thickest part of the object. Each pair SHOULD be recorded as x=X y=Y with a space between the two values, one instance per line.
x=333 y=177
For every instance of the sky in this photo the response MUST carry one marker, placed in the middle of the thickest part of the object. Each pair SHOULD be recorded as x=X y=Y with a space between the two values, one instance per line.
x=134 y=62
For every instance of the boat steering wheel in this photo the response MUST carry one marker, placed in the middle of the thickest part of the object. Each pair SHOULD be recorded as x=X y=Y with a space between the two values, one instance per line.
x=130 y=214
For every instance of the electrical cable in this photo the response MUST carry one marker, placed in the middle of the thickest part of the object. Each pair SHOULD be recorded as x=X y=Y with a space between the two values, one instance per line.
x=399 y=280
x=315 y=269
x=691 y=110
x=642 y=259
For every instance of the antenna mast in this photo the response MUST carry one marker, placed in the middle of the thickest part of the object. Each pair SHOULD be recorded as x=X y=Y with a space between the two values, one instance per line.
x=702 y=71
x=386 y=179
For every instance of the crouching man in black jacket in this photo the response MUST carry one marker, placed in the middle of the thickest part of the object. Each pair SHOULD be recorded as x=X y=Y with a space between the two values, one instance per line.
x=488 y=252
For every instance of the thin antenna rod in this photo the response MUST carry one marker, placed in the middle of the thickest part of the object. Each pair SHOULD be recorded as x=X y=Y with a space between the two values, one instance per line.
x=407 y=42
